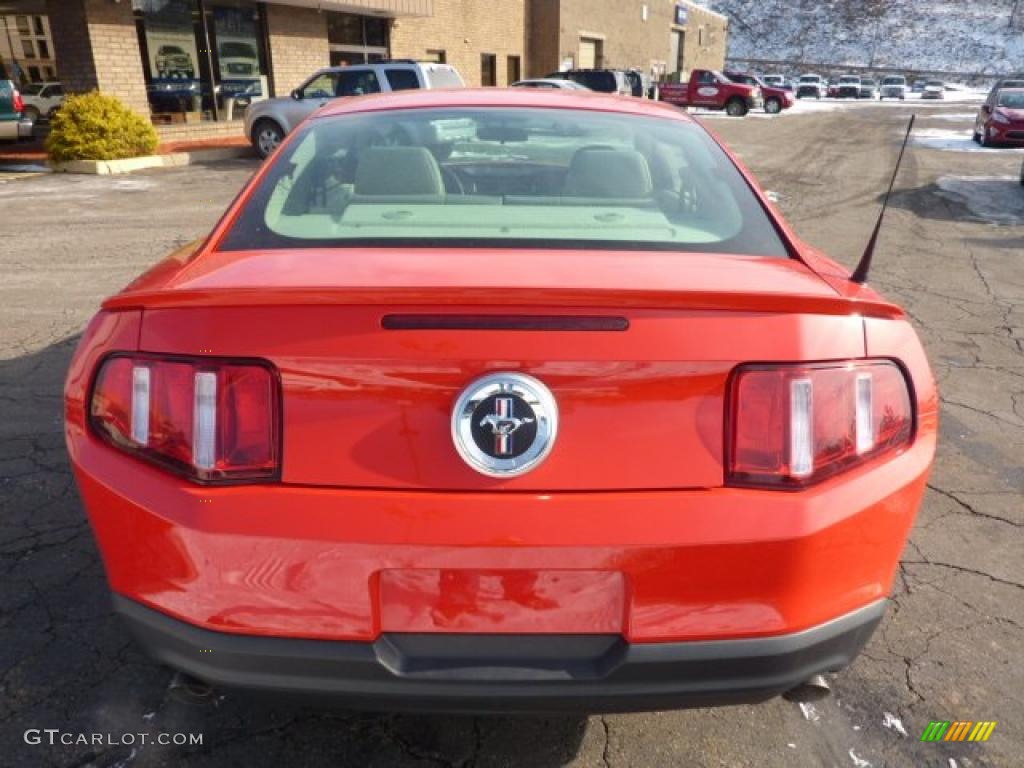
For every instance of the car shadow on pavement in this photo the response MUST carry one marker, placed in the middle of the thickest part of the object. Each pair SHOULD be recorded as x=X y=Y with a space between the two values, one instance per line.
x=67 y=663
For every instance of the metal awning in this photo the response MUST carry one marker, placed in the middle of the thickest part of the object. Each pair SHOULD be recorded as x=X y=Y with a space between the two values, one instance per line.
x=22 y=6
x=371 y=7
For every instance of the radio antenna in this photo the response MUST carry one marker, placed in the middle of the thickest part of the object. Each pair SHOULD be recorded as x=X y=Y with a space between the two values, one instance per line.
x=860 y=274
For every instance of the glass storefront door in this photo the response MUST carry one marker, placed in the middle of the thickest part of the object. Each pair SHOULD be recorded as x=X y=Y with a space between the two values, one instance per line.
x=202 y=59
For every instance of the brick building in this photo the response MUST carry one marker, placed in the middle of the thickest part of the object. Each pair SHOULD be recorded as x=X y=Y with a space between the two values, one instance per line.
x=187 y=63
x=659 y=37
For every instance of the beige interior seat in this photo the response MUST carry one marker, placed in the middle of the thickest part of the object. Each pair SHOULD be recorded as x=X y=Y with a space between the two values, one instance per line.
x=608 y=173
x=398 y=171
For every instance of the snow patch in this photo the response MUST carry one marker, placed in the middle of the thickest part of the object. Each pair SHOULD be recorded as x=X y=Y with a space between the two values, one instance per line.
x=939 y=35
x=809 y=712
x=955 y=141
x=996 y=199
x=893 y=723
x=860 y=762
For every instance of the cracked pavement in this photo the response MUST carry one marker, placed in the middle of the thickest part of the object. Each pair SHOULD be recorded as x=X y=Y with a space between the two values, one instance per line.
x=950 y=647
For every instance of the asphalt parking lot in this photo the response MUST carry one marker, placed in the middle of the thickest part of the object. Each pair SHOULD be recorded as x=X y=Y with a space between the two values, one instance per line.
x=950 y=648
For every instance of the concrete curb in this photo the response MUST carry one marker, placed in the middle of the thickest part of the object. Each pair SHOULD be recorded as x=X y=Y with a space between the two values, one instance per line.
x=172 y=160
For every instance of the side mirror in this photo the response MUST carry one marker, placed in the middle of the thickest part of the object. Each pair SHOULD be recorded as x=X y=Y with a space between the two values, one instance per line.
x=986 y=109
x=296 y=95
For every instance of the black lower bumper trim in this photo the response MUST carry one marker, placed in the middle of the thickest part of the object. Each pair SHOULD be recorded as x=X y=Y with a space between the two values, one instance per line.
x=506 y=673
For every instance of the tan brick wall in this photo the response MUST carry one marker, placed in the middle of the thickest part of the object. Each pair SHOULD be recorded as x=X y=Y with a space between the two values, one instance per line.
x=706 y=37
x=99 y=48
x=464 y=29
x=628 y=40
x=298 y=45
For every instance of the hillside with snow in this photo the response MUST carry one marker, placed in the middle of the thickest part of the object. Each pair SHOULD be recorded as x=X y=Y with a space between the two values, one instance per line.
x=965 y=36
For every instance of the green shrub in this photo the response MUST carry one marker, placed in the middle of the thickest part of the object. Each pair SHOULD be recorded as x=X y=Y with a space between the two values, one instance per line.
x=95 y=126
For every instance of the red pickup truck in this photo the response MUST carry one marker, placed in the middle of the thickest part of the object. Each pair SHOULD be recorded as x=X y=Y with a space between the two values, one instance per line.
x=713 y=90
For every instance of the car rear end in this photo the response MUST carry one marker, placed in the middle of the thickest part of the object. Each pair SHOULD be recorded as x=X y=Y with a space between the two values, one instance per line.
x=893 y=88
x=849 y=88
x=13 y=125
x=809 y=88
x=266 y=436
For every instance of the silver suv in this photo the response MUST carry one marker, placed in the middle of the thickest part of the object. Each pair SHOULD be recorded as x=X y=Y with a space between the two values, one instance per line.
x=268 y=122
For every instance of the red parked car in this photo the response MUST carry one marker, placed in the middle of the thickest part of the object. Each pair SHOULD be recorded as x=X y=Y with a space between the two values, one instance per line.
x=501 y=400
x=1000 y=119
x=775 y=99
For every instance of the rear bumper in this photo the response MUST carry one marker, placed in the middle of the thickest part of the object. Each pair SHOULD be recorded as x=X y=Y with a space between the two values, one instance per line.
x=351 y=565
x=506 y=673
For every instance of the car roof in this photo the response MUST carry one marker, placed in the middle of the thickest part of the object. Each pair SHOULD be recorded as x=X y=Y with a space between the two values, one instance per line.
x=388 y=63
x=502 y=97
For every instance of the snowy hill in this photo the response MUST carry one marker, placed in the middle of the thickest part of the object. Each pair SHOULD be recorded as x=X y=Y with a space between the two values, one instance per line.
x=962 y=36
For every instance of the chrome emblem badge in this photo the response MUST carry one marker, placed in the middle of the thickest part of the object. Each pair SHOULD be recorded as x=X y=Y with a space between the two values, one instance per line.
x=505 y=424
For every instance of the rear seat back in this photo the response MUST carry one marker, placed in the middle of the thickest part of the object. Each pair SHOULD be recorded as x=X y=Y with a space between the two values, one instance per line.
x=608 y=173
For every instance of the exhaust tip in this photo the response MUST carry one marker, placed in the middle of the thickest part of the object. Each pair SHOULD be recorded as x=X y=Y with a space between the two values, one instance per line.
x=812 y=689
x=186 y=689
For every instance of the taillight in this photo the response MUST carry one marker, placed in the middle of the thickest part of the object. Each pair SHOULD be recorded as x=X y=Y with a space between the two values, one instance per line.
x=794 y=425
x=19 y=104
x=212 y=420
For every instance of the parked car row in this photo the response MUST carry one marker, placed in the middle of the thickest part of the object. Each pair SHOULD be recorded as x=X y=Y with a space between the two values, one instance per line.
x=267 y=122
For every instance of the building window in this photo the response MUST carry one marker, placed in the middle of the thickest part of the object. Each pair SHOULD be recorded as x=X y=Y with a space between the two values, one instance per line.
x=40 y=30
x=437 y=56
x=33 y=75
x=21 y=22
x=28 y=49
x=44 y=50
x=513 y=68
x=700 y=36
x=185 y=81
x=354 y=39
x=488 y=69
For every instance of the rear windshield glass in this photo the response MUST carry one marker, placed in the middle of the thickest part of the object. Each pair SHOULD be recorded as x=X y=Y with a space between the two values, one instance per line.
x=595 y=81
x=443 y=77
x=504 y=177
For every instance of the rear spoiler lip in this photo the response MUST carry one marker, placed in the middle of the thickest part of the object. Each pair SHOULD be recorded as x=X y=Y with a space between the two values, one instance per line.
x=571 y=299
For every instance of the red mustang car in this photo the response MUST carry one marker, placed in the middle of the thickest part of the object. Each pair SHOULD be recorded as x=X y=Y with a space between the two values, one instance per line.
x=501 y=400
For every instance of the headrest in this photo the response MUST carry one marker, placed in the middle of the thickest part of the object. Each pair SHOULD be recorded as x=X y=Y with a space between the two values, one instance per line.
x=398 y=171
x=621 y=173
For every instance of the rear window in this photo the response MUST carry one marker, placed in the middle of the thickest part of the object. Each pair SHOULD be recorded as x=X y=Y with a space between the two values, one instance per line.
x=443 y=77
x=595 y=81
x=513 y=177
x=402 y=79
